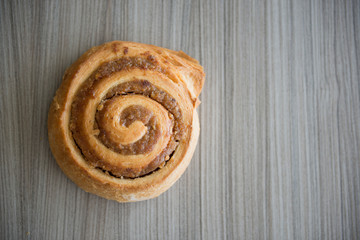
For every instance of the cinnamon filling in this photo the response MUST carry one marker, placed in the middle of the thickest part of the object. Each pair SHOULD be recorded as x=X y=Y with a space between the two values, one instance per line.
x=142 y=125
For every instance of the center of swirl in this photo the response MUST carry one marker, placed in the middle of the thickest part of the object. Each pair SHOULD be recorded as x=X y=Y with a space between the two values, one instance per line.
x=132 y=124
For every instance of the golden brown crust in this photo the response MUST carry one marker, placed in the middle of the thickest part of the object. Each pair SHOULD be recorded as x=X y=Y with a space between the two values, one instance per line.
x=174 y=72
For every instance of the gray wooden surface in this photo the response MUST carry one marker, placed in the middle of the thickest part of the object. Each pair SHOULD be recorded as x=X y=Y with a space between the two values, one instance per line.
x=279 y=151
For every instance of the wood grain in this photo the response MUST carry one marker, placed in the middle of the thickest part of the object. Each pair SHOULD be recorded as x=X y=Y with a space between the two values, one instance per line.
x=279 y=150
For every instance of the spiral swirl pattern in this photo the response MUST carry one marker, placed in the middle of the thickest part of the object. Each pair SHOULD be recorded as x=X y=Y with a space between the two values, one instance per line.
x=135 y=128
x=126 y=111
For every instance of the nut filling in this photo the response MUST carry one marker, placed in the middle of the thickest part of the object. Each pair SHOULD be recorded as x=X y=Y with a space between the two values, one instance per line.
x=148 y=117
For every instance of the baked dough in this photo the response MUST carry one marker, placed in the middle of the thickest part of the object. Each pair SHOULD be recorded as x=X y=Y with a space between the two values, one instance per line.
x=123 y=124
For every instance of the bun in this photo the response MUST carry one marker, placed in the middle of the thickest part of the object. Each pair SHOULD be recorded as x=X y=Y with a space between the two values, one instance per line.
x=123 y=124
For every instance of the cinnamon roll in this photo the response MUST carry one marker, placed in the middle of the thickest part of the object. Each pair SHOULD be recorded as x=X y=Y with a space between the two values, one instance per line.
x=123 y=124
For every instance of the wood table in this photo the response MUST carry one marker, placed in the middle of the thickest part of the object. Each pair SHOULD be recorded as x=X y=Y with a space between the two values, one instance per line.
x=279 y=150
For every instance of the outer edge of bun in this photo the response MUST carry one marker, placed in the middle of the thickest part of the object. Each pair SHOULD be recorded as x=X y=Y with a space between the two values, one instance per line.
x=185 y=69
